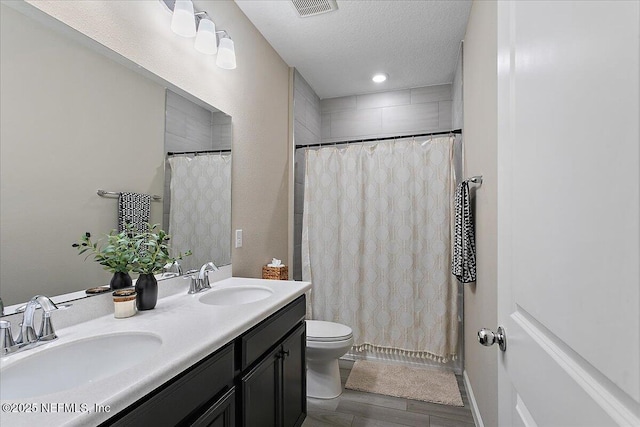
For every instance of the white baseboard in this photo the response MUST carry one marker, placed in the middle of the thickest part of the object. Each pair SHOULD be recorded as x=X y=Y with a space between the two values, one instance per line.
x=472 y=400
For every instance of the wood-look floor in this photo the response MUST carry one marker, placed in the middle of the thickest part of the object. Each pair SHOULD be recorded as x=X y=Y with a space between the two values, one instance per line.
x=359 y=409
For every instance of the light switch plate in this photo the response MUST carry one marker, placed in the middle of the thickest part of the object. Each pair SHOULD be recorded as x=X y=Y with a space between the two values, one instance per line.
x=238 y=238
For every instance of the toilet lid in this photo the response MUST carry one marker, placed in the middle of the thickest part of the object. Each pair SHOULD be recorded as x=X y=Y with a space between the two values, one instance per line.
x=319 y=330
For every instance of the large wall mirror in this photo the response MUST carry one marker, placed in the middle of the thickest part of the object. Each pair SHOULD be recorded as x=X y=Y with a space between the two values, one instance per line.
x=77 y=117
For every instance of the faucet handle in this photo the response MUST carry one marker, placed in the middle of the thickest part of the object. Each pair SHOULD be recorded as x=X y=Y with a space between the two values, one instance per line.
x=47 y=333
x=204 y=283
x=7 y=344
x=193 y=284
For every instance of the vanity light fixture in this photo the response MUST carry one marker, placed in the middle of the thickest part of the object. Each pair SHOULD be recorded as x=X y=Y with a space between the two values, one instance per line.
x=184 y=23
x=226 y=54
x=206 y=41
x=380 y=77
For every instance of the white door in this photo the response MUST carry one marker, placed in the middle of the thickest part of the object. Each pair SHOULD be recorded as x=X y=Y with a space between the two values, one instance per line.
x=568 y=213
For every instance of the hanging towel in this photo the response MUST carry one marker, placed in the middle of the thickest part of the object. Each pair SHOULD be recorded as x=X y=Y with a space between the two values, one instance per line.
x=133 y=208
x=463 y=262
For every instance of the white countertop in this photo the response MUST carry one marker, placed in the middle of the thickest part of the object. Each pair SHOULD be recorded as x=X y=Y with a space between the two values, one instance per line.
x=190 y=331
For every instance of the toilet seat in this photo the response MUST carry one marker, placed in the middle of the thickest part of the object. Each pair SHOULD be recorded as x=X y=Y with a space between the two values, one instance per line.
x=321 y=331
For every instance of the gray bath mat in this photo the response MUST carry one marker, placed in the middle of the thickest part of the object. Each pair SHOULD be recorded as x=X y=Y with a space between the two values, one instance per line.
x=428 y=385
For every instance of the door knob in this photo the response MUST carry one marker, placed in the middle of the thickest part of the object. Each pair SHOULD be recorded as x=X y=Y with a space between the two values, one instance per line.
x=487 y=337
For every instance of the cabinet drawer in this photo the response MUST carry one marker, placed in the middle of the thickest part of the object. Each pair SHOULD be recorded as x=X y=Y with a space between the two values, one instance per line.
x=178 y=398
x=258 y=340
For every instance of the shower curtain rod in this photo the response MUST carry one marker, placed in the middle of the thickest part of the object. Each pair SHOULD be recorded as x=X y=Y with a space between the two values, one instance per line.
x=195 y=153
x=448 y=132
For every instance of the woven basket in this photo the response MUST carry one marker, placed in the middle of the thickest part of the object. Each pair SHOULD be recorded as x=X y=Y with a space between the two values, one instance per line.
x=275 y=273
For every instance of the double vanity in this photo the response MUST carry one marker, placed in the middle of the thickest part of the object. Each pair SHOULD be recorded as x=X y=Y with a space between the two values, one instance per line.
x=231 y=355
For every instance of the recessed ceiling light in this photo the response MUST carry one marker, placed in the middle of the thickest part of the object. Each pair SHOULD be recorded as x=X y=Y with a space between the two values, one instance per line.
x=379 y=78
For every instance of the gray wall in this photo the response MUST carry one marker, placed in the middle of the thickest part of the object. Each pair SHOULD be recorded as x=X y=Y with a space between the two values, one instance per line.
x=480 y=136
x=390 y=113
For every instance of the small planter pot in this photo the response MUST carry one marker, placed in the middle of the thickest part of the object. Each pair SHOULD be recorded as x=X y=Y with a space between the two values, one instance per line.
x=120 y=280
x=147 y=292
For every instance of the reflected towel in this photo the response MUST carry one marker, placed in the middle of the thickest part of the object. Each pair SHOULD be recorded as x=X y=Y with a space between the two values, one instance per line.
x=463 y=262
x=133 y=208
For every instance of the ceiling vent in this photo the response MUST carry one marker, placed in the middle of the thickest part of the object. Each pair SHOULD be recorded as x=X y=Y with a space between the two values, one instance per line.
x=314 y=7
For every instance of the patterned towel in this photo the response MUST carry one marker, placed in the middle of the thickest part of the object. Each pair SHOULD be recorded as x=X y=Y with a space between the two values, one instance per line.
x=463 y=262
x=133 y=208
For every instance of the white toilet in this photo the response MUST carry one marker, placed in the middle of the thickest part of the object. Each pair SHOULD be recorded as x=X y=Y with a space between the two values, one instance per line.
x=326 y=343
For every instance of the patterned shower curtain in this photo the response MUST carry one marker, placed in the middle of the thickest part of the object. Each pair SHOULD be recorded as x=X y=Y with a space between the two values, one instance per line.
x=200 y=214
x=376 y=244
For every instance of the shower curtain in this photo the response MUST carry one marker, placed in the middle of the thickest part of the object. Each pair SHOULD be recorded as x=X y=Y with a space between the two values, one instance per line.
x=376 y=244
x=200 y=213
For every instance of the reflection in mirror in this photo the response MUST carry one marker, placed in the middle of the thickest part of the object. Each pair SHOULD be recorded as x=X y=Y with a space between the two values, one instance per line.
x=74 y=118
x=198 y=182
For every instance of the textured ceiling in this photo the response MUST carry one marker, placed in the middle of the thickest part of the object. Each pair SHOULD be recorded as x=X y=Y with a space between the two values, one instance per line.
x=415 y=42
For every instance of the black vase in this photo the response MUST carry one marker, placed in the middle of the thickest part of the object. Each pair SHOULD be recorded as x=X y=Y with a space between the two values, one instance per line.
x=147 y=292
x=120 y=280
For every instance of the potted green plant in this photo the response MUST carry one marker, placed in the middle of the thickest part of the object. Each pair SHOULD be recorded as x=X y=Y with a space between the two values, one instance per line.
x=152 y=253
x=115 y=254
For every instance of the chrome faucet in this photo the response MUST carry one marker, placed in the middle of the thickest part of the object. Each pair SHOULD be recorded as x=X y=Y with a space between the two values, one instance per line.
x=172 y=269
x=28 y=337
x=204 y=277
x=201 y=281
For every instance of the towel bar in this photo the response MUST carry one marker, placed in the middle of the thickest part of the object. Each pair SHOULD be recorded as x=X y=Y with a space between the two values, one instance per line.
x=103 y=193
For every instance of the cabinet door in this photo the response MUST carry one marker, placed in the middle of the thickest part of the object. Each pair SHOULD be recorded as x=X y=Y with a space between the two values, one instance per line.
x=294 y=379
x=260 y=393
x=220 y=414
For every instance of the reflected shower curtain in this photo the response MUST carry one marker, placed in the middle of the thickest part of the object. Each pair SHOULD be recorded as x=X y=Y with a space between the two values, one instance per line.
x=200 y=214
x=376 y=244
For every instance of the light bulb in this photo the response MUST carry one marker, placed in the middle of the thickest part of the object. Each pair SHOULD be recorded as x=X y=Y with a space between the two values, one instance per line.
x=206 y=41
x=226 y=54
x=183 y=21
x=379 y=78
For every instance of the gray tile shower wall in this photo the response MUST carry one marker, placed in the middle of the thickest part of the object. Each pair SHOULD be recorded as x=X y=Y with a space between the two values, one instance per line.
x=390 y=113
x=456 y=95
x=221 y=131
x=306 y=112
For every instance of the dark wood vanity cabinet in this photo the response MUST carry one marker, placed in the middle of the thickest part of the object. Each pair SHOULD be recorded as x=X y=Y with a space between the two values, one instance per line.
x=257 y=380
x=274 y=391
x=273 y=385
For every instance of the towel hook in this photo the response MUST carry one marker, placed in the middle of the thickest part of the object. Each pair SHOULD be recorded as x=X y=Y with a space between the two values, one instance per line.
x=476 y=179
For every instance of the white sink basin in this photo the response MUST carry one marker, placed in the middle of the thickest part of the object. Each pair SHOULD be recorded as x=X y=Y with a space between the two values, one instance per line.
x=75 y=364
x=236 y=295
